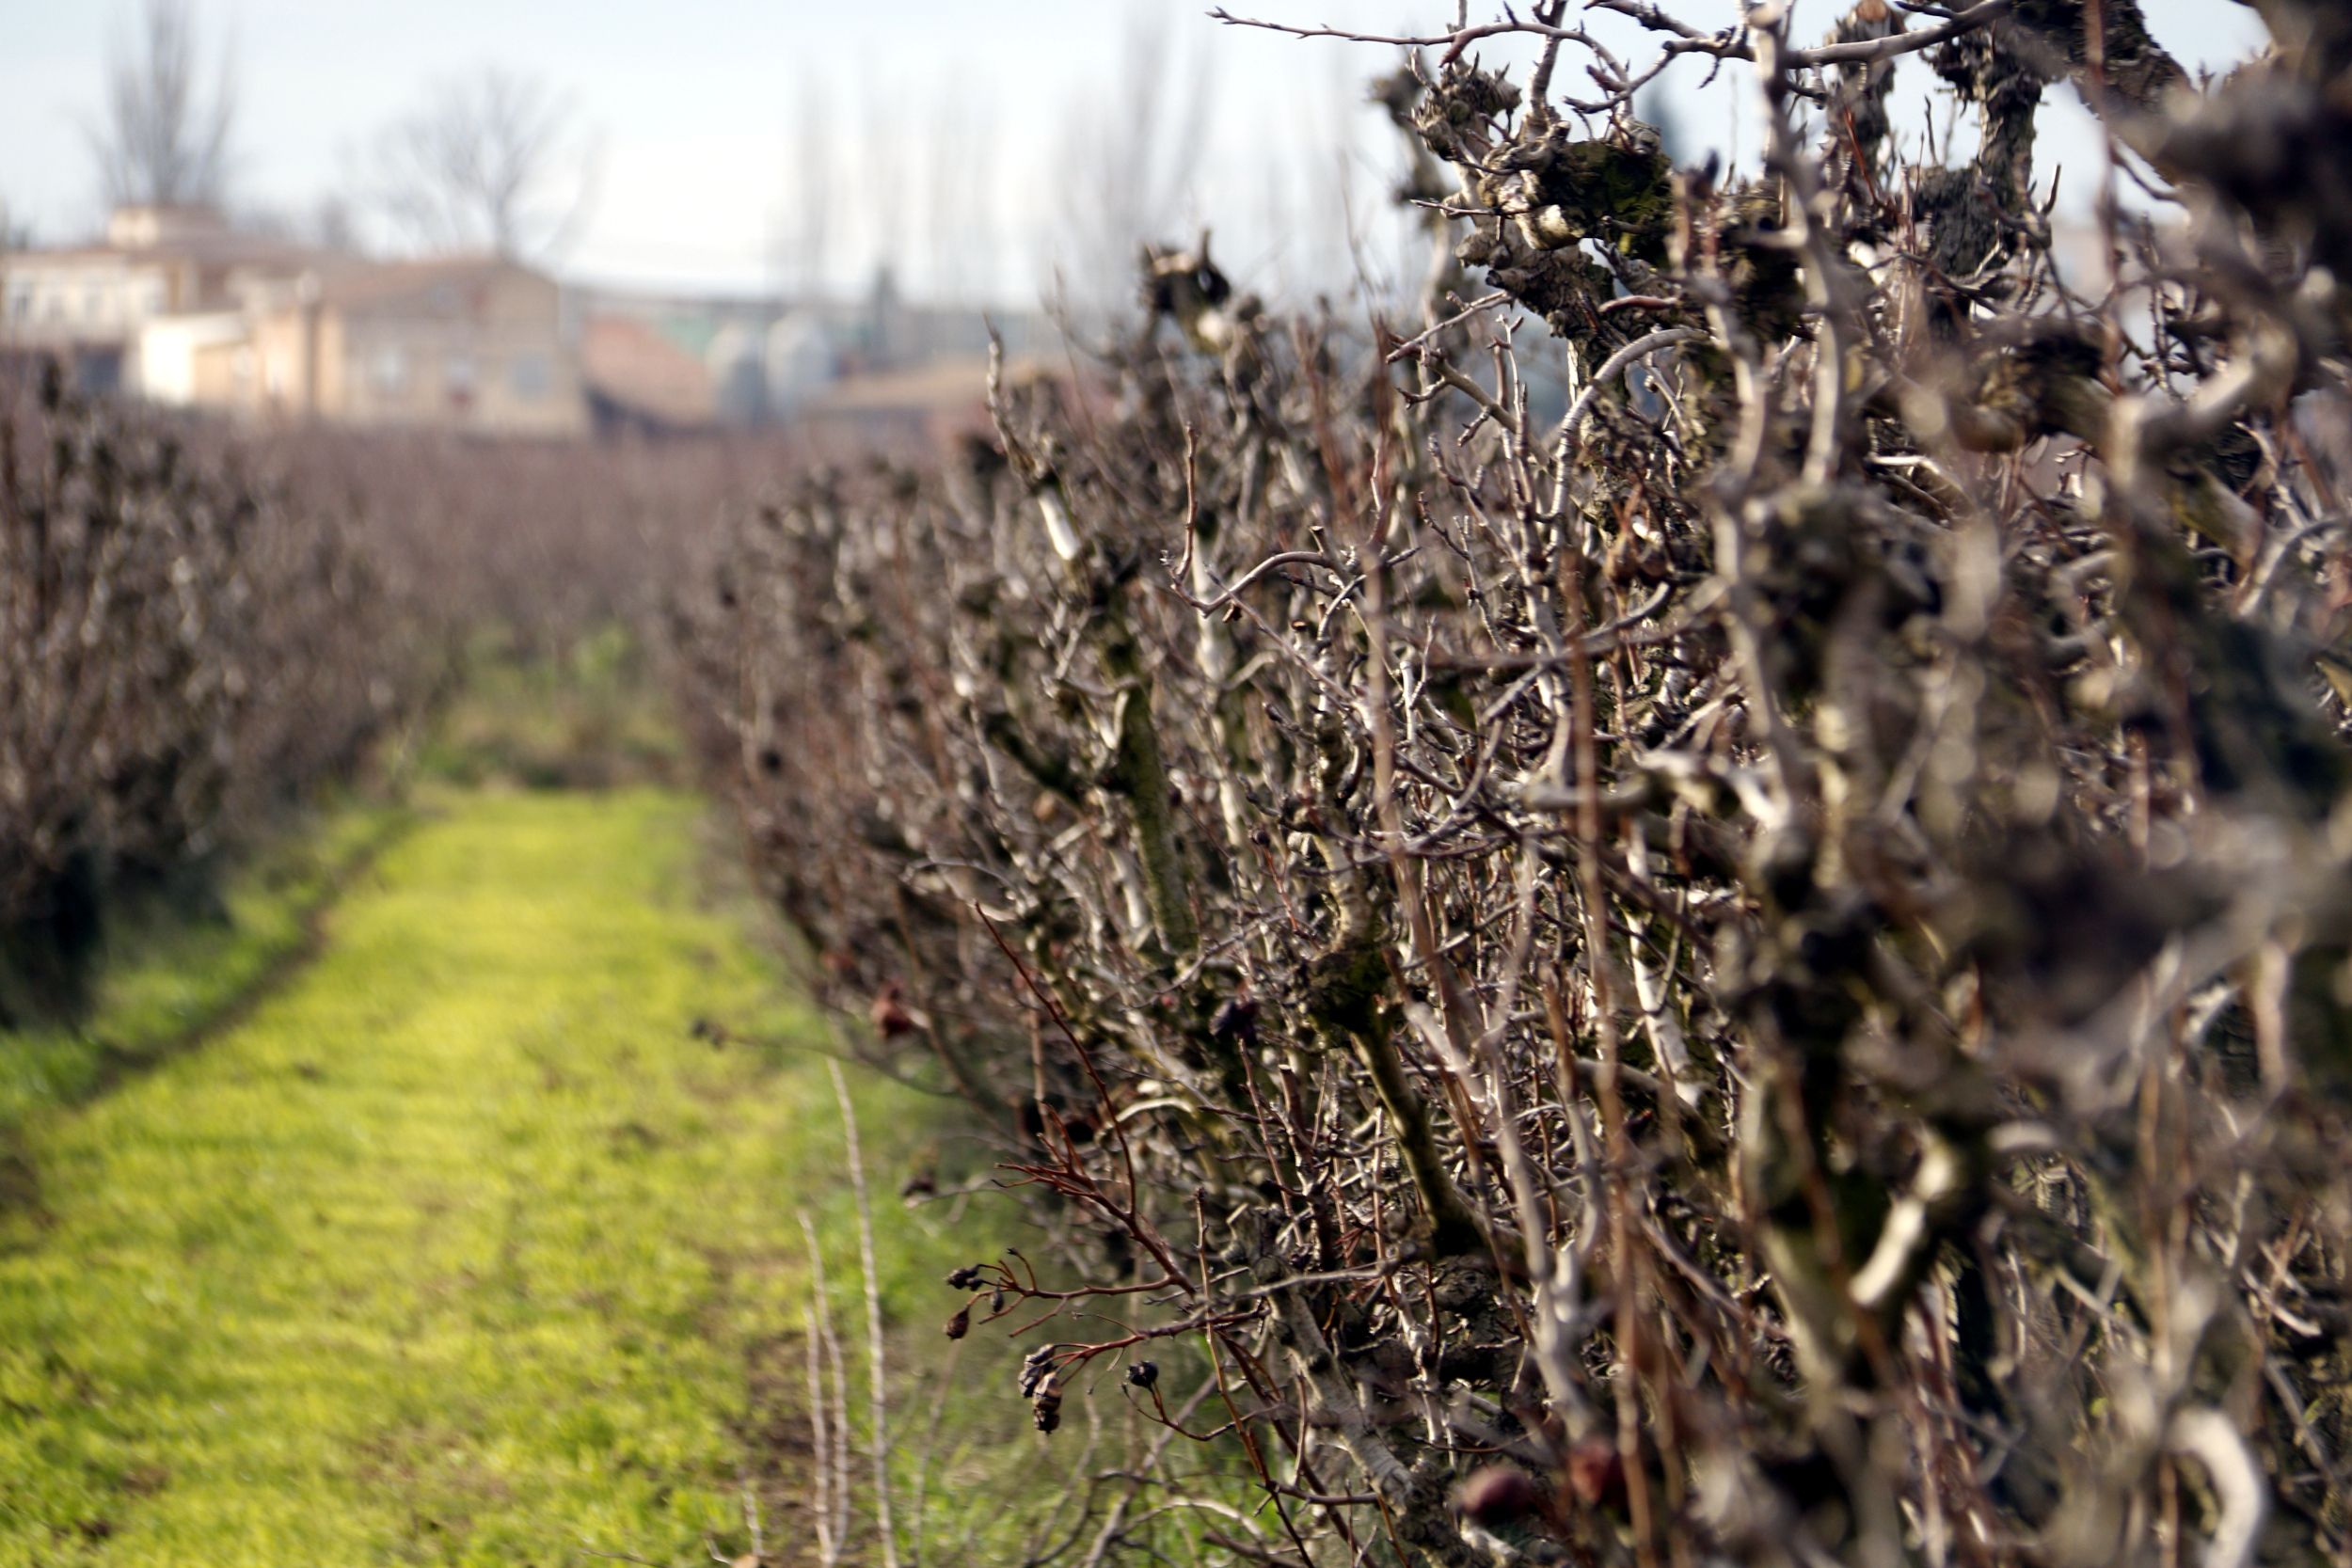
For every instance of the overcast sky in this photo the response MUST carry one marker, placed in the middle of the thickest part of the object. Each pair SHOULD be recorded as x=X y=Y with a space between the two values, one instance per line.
x=694 y=107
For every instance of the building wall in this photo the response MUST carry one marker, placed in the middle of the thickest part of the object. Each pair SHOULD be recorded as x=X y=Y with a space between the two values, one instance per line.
x=281 y=361
x=221 y=376
x=144 y=228
x=486 y=353
x=70 y=299
x=333 y=365
x=168 y=348
x=276 y=333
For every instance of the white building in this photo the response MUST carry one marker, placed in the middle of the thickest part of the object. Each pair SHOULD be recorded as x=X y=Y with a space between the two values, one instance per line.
x=176 y=306
x=89 y=303
x=168 y=351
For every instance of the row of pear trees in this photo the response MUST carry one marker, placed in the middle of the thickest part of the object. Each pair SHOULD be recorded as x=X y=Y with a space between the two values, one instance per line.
x=1738 y=952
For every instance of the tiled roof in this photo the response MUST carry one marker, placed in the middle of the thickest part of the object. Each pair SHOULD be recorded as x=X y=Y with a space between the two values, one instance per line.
x=631 y=364
x=223 y=250
x=948 y=386
x=362 y=284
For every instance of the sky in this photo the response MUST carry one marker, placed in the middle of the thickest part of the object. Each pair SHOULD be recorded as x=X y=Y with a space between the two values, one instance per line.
x=983 y=124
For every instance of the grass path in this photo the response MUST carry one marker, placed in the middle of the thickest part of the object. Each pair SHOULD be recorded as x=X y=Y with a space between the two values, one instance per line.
x=454 y=1250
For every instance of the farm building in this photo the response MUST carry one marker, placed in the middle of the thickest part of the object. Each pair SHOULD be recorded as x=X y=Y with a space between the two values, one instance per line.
x=176 y=306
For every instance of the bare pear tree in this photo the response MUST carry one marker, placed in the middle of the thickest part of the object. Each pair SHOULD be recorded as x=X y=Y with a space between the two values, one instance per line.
x=162 y=137
x=492 y=161
x=1746 y=971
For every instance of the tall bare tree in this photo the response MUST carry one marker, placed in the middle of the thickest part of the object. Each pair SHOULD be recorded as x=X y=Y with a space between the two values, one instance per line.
x=493 y=160
x=162 y=137
x=1131 y=156
x=883 y=159
x=803 y=234
x=959 y=191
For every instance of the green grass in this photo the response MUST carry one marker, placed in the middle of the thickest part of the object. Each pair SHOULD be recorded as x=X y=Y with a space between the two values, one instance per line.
x=593 y=718
x=455 y=1248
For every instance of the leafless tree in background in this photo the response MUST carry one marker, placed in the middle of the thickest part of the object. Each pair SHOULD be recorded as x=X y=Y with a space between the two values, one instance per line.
x=802 y=232
x=333 y=221
x=1131 y=156
x=894 y=169
x=1311 y=201
x=493 y=160
x=162 y=139
x=329 y=221
x=879 y=172
x=959 y=195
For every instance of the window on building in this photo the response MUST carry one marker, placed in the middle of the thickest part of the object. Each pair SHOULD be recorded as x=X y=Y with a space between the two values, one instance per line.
x=154 y=298
x=459 y=373
x=388 y=370
x=94 y=304
x=531 y=376
x=20 y=303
